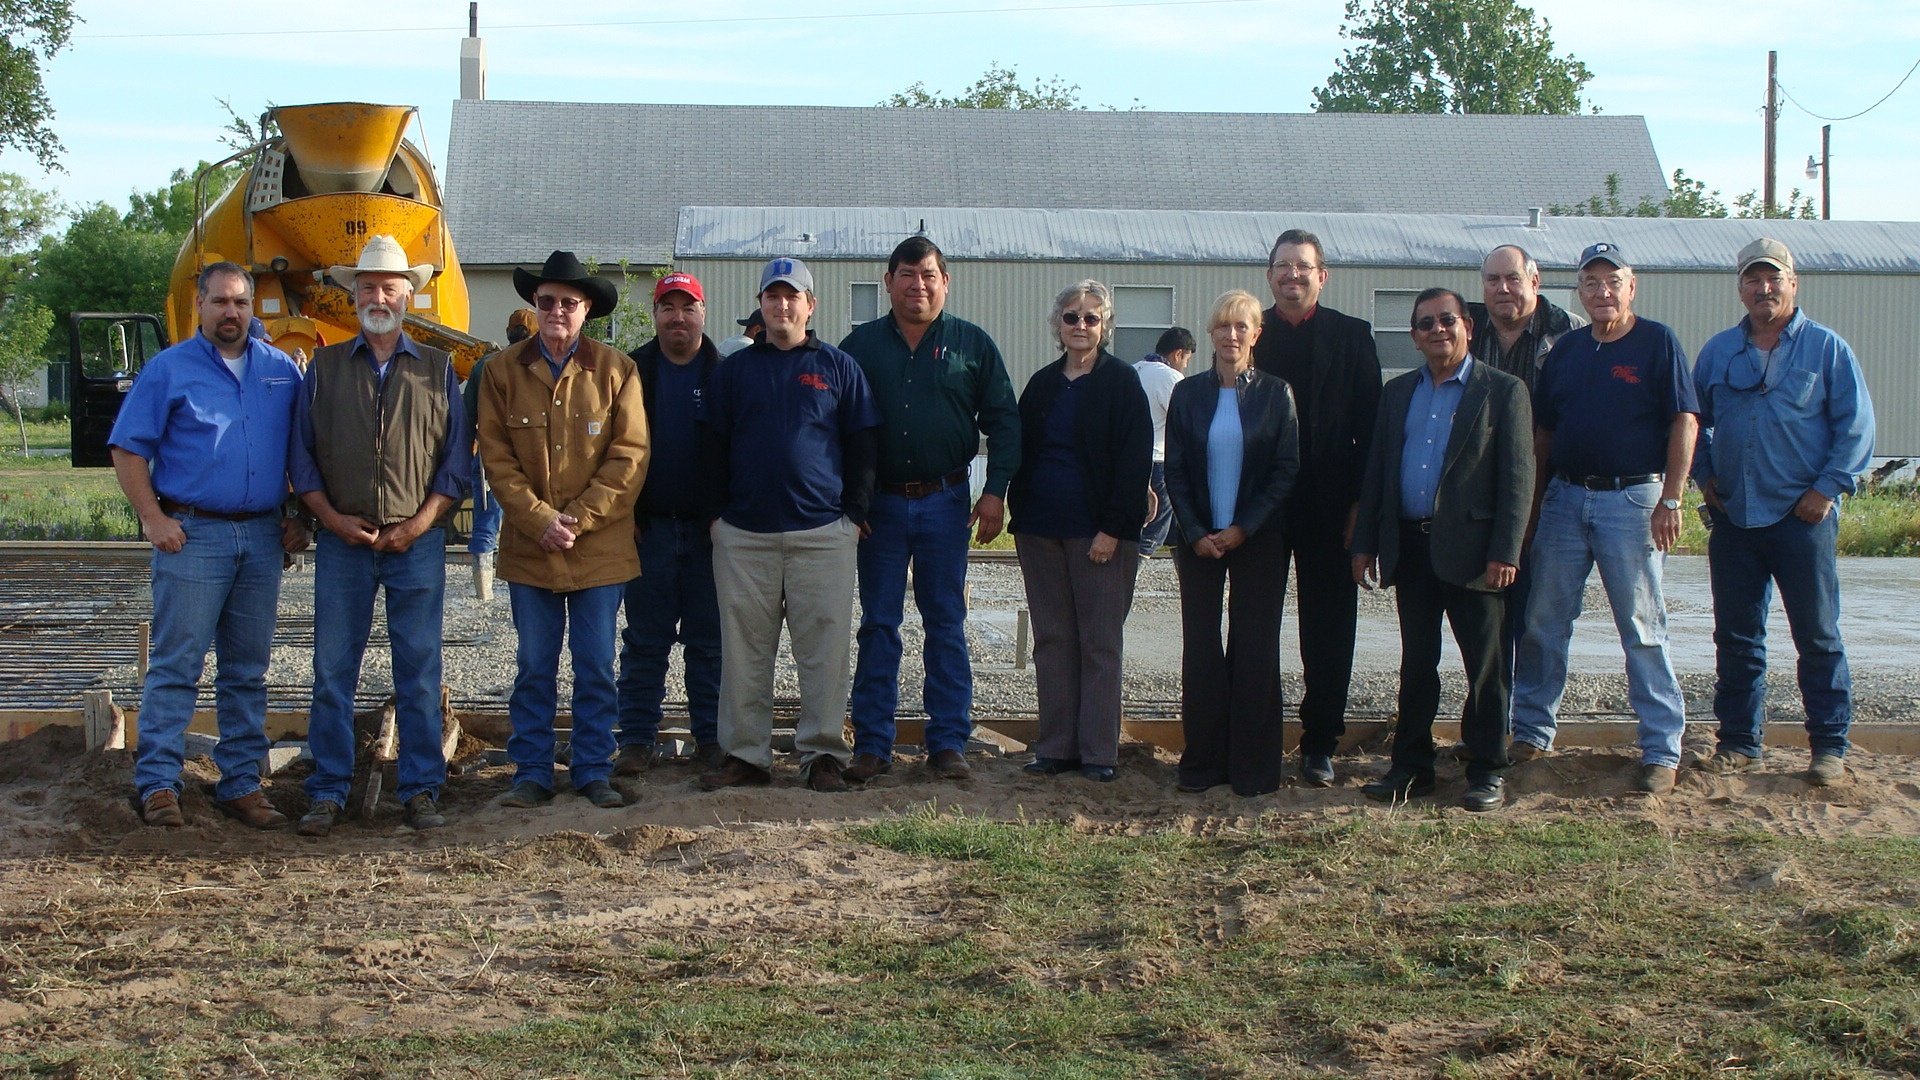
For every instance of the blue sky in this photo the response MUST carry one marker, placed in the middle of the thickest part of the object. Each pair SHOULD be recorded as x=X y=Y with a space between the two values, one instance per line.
x=137 y=95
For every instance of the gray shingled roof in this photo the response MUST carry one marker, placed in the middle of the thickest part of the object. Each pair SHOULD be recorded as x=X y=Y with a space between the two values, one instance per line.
x=607 y=180
x=1175 y=236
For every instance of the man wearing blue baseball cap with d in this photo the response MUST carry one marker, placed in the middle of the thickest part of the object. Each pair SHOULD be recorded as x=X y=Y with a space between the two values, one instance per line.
x=1615 y=416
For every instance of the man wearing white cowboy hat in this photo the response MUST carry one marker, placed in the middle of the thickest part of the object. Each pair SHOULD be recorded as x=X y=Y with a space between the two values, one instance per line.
x=380 y=457
x=563 y=435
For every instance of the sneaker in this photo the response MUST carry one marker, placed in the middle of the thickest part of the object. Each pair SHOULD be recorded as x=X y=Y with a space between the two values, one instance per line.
x=734 y=772
x=252 y=810
x=634 y=759
x=422 y=813
x=525 y=795
x=1724 y=762
x=1519 y=752
x=1656 y=779
x=1827 y=769
x=826 y=773
x=950 y=765
x=867 y=766
x=161 y=808
x=601 y=794
x=320 y=818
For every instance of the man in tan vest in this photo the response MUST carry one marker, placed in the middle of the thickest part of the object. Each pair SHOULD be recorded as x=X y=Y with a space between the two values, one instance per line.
x=563 y=435
x=380 y=458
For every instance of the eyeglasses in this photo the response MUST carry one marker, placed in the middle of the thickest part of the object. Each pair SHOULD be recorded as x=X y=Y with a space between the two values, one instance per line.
x=1426 y=323
x=568 y=304
x=1293 y=267
x=1074 y=318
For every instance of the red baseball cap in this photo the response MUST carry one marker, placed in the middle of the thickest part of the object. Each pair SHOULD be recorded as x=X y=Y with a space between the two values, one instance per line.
x=681 y=281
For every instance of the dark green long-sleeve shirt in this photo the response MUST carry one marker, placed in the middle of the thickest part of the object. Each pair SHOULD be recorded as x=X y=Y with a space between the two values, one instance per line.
x=937 y=400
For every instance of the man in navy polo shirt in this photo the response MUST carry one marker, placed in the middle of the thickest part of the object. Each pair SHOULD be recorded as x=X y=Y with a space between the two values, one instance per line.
x=200 y=449
x=1615 y=417
x=795 y=421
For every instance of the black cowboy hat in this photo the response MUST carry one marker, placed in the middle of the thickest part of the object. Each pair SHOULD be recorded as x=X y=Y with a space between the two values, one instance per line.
x=562 y=268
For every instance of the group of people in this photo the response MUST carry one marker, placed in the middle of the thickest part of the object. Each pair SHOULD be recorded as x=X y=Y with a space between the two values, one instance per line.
x=719 y=497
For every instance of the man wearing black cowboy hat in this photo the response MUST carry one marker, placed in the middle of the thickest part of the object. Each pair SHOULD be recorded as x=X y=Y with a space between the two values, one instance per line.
x=564 y=437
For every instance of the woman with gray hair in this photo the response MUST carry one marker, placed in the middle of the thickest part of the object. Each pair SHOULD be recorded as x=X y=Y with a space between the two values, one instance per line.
x=1077 y=505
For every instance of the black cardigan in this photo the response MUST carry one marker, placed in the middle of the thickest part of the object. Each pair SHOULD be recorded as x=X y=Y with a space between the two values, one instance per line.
x=1114 y=434
x=1270 y=436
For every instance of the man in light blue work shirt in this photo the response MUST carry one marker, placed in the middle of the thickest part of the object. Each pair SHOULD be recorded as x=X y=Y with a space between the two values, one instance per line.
x=1786 y=426
x=200 y=449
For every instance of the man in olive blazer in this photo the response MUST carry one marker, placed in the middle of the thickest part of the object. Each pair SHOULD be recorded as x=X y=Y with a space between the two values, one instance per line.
x=1443 y=515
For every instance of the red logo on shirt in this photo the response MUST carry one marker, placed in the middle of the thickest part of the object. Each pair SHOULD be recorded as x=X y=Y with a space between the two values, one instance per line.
x=808 y=378
x=1627 y=373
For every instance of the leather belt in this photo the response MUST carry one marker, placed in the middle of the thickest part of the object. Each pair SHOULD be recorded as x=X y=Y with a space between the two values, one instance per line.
x=1610 y=483
x=920 y=489
x=170 y=508
x=1423 y=526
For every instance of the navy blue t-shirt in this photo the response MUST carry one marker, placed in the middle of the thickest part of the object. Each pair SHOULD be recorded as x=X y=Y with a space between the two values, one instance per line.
x=1060 y=508
x=783 y=415
x=1609 y=404
x=674 y=457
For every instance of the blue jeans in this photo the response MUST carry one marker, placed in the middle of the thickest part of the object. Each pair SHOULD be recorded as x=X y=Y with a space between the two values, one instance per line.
x=1578 y=530
x=1744 y=565
x=485 y=535
x=1156 y=530
x=672 y=600
x=542 y=618
x=345 y=577
x=221 y=589
x=931 y=534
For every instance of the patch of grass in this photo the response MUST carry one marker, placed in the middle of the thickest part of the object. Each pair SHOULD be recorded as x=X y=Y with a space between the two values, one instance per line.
x=49 y=499
x=1882 y=520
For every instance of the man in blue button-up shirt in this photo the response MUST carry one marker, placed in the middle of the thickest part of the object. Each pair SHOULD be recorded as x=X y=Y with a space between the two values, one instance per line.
x=1786 y=426
x=200 y=448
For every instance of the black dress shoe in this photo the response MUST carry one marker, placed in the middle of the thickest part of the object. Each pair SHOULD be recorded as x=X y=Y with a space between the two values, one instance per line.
x=1316 y=770
x=1099 y=774
x=1487 y=794
x=1050 y=766
x=1399 y=785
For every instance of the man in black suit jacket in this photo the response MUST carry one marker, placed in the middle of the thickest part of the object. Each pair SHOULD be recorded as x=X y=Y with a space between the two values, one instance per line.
x=1329 y=360
x=1443 y=514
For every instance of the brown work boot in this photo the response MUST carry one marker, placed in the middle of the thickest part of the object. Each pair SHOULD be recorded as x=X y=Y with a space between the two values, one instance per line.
x=867 y=766
x=734 y=772
x=950 y=765
x=1826 y=770
x=253 y=810
x=634 y=760
x=162 y=808
x=1656 y=779
x=1520 y=752
x=825 y=773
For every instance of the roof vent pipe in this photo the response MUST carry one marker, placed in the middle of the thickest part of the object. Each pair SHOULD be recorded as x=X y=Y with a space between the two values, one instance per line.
x=1534 y=214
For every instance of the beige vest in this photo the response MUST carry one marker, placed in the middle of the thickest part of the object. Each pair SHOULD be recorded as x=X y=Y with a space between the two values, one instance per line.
x=378 y=445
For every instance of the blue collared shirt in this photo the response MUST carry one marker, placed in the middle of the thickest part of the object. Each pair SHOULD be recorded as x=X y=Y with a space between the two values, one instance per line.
x=1770 y=431
x=1429 y=426
x=454 y=475
x=557 y=364
x=213 y=441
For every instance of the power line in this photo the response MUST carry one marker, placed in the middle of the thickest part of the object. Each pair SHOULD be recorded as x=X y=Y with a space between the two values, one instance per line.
x=1862 y=112
x=732 y=19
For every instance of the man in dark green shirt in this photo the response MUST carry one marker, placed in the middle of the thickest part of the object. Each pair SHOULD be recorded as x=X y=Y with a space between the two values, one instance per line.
x=940 y=384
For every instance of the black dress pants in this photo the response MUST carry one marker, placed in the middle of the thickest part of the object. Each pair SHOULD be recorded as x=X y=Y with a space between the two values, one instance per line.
x=1479 y=626
x=1231 y=706
x=1329 y=607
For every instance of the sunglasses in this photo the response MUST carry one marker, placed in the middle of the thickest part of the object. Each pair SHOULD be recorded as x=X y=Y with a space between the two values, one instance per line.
x=1428 y=322
x=568 y=304
x=1074 y=318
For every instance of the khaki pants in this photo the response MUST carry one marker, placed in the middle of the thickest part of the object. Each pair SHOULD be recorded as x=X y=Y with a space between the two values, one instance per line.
x=806 y=579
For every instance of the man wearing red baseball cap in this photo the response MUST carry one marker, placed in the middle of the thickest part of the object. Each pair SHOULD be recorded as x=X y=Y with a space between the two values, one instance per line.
x=673 y=598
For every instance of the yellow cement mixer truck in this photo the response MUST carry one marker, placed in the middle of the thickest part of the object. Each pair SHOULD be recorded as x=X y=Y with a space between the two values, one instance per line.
x=326 y=179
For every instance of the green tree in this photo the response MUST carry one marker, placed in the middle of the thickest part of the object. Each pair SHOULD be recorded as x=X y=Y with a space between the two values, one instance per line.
x=30 y=31
x=1451 y=56
x=24 y=328
x=101 y=263
x=26 y=213
x=999 y=88
x=631 y=323
x=1690 y=198
x=171 y=209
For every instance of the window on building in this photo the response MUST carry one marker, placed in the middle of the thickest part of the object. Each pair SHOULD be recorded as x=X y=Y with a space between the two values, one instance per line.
x=1141 y=313
x=863 y=302
x=1393 y=331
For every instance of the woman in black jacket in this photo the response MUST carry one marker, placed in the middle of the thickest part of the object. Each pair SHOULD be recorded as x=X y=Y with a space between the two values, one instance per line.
x=1077 y=504
x=1232 y=455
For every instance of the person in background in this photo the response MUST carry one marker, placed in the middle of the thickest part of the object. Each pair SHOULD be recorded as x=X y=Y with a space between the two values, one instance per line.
x=1159 y=371
x=1078 y=501
x=753 y=330
x=483 y=539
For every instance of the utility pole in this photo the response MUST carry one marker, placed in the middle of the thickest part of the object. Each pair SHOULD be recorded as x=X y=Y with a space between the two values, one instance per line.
x=1826 y=172
x=1773 y=114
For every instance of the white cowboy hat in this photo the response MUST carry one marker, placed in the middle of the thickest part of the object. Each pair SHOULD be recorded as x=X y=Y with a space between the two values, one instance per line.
x=382 y=255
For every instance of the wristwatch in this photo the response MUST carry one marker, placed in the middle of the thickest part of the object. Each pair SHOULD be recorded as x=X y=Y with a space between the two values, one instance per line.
x=1670 y=504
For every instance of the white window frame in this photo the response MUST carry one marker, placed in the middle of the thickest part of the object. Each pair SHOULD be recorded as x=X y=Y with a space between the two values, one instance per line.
x=1173 y=317
x=880 y=306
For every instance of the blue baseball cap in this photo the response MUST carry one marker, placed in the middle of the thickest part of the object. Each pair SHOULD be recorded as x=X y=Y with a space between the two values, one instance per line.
x=1605 y=252
x=790 y=271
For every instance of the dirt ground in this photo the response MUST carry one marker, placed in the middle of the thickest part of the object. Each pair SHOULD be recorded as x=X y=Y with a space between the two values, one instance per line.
x=110 y=929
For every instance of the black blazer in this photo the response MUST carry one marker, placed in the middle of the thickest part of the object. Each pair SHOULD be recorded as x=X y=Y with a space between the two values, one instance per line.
x=1114 y=432
x=1486 y=484
x=710 y=497
x=1270 y=435
x=1341 y=400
